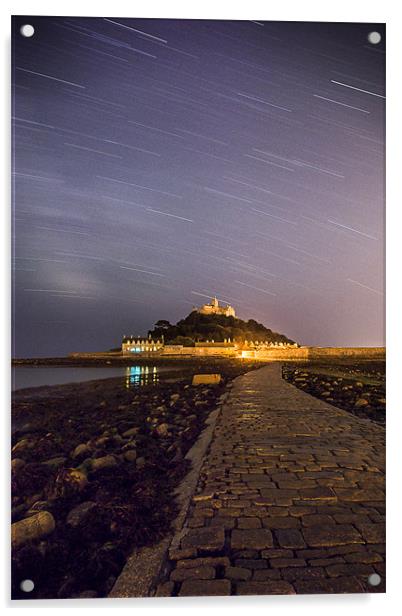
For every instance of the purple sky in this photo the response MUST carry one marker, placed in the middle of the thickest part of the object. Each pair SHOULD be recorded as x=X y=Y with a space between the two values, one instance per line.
x=160 y=162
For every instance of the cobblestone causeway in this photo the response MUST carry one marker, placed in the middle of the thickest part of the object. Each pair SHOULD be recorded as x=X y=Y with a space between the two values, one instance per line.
x=290 y=499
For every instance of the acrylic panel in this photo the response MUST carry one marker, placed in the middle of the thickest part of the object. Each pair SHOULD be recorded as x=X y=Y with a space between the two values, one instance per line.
x=198 y=401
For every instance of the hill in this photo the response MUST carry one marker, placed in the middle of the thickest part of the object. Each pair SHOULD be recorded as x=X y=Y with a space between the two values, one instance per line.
x=198 y=327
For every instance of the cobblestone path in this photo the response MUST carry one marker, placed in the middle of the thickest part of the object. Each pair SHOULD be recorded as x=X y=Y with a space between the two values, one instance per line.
x=290 y=499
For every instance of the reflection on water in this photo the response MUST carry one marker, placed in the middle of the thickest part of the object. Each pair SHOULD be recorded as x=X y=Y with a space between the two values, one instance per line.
x=39 y=376
x=141 y=375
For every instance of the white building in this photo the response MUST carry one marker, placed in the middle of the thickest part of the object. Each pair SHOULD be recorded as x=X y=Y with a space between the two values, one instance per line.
x=215 y=308
x=132 y=344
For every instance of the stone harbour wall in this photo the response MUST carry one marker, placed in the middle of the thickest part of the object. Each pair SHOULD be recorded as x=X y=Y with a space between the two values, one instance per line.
x=357 y=352
x=267 y=354
x=311 y=353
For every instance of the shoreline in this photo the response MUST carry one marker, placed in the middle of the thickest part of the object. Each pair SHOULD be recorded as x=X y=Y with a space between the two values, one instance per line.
x=113 y=361
x=102 y=462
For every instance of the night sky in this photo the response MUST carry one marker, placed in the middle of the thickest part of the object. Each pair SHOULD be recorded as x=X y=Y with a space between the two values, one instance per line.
x=157 y=163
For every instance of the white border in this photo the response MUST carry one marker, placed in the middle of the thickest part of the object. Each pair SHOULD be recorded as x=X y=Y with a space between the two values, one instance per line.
x=286 y=10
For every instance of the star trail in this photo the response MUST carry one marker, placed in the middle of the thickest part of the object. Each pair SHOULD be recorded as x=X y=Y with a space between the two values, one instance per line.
x=158 y=162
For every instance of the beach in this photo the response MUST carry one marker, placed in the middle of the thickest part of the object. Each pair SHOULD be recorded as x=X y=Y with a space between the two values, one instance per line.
x=103 y=459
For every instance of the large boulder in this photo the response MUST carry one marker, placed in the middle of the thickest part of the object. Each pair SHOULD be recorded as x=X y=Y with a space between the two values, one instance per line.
x=30 y=529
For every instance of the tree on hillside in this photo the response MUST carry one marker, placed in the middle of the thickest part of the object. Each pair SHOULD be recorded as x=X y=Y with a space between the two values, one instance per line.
x=162 y=324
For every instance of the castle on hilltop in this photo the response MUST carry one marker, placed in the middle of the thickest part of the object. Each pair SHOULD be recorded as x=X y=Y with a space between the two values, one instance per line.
x=214 y=308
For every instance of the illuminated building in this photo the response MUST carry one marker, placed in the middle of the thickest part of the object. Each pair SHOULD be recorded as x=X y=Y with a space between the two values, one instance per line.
x=138 y=345
x=214 y=308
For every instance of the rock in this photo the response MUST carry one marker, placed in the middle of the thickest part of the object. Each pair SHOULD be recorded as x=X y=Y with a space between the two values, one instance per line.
x=88 y=594
x=17 y=511
x=23 y=445
x=80 y=514
x=39 y=505
x=31 y=500
x=69 y=481
x=55 y=462
x=174 y=398
x=85 y=466
x=325 y=394
x=382 y=401
x=131 y=432
x=140 y=463
x=206 y=379
x=81 y=450
x=130 y=456
x=29 y=428
x=360 y=402
x=17 y=464
x=35 y=527
x=102 y=463
x=129 y=445
x=66 y=590
x=178 y=456
x=102 y=441
x=162 y=430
